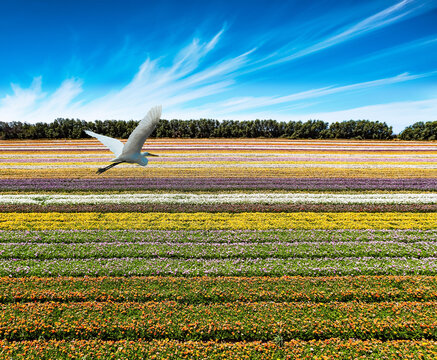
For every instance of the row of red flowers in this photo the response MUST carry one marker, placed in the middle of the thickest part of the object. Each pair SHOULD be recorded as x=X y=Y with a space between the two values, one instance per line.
x=233 y=208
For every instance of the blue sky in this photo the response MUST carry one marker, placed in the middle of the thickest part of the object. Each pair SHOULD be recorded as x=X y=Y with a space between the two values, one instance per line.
x=285 y=60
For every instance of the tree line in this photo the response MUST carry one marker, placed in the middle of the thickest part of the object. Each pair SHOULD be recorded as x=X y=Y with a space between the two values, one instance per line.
x=208 y=128
x=420 y=131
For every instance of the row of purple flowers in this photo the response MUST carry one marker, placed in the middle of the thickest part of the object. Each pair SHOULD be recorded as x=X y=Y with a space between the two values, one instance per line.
x=239 y=183
x=232 y=208
x=367 y=148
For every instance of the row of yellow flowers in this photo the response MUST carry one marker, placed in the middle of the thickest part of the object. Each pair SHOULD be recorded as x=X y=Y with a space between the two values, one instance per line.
x=203 y=220
x=241 y=161
x=75 y=150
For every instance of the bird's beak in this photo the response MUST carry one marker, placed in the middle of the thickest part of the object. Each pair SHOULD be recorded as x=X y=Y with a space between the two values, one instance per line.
x=152 y=154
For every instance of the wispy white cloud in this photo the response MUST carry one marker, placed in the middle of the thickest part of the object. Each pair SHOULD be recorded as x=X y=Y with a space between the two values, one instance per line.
x=405 y=49
x=392 y=14
x=174 y=85
x=32 y=104
x=21 y=98
x=235 y=105
x=57 y=102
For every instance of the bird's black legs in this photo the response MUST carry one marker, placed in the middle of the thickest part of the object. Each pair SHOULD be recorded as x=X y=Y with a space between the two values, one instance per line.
x=102 y=170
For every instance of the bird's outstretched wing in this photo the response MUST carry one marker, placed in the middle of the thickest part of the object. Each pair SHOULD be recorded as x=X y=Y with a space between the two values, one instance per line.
x=116 y=146
x=146 y=126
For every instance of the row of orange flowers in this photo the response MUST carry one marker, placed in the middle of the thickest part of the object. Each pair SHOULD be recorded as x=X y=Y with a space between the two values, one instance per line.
x=171 y=349
x=235 y=321
x=208 y=289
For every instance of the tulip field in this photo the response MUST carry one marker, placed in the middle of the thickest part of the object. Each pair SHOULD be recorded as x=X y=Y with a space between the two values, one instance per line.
x=219 y=249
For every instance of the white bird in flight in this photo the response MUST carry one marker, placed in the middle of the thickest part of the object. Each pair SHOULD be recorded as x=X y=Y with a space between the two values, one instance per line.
x=131 y=151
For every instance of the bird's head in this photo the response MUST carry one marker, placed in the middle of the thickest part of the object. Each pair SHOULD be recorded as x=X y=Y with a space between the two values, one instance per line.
x=148 y=154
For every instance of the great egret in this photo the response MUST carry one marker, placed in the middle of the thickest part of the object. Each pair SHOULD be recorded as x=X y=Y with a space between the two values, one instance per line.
x=131 y=151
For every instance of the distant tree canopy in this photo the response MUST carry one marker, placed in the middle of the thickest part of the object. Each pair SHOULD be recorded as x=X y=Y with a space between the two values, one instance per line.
x=209 y=128
x=420 y=131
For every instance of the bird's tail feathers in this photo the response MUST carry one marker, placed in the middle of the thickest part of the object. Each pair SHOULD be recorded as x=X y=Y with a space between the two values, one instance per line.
x=106 y=168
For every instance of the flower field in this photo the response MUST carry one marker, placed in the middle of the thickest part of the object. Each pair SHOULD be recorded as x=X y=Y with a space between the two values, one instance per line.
x=219 y=249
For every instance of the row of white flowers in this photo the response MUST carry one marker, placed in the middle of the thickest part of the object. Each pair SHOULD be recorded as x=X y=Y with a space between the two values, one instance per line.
x=234 y=153
x=229 y=198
